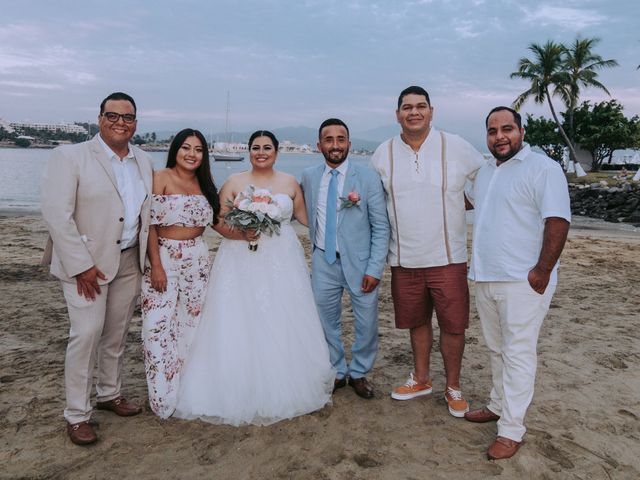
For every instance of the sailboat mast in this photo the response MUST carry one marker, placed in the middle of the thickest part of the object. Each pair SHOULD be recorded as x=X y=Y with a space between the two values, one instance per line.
x=226 y=122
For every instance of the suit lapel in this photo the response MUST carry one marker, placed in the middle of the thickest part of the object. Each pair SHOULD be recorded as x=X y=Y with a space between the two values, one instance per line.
x=349 y=185
x=103 y=160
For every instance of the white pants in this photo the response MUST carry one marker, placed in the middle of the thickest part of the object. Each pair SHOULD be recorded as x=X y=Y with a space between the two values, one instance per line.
x=511 y=314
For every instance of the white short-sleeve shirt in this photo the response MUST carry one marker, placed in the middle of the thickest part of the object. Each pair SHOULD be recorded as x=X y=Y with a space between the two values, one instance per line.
x=512 y=202
x=425 y=198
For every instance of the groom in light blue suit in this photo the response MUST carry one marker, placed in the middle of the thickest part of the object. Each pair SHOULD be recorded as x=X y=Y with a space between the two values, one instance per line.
x=349 y=231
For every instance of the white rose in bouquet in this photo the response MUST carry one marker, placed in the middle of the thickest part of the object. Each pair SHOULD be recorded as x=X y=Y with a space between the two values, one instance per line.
x=273 y=211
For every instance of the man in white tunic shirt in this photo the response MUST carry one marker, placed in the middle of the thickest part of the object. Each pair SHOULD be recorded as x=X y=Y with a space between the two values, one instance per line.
x=521 y=224
x=424 y=172
x=95 y=201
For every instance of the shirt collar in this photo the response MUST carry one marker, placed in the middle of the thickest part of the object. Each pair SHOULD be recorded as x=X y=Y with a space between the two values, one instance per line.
x=110 y=153
x=433 y=133
x=342 y=168
x=522 y=154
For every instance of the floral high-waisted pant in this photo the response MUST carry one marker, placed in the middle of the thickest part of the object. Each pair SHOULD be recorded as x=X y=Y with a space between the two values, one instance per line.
x=170 y=318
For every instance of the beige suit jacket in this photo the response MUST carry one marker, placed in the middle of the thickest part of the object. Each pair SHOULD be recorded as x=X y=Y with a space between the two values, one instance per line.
x=84 y=211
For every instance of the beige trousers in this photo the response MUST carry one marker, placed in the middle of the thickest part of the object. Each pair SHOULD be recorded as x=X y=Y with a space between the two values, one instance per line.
x=97 y=333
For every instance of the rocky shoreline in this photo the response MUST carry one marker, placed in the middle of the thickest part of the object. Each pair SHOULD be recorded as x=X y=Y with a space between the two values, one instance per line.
x=612 y=204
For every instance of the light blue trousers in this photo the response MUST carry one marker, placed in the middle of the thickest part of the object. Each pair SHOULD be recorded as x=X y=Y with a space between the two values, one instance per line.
x=328 y=283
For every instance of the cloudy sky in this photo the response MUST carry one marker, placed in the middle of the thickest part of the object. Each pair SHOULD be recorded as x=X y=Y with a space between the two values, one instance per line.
x=294 y=62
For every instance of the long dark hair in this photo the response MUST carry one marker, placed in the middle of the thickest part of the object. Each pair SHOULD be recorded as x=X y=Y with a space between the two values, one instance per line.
x=203 y=172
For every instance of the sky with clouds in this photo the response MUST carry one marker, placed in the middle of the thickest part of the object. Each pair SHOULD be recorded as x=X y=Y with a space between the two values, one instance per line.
x=294 y=62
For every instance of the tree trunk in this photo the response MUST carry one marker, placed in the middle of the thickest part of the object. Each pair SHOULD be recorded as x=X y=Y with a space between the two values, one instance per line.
x=563 y=134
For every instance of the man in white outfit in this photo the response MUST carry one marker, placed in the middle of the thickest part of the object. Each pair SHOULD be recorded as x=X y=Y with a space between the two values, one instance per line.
x=522 y=216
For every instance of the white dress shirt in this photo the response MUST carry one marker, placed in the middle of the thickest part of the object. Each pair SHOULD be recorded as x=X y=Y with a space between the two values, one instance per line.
x=512 y=202
x=425 y=198
x=131 y=190
x=321 y=212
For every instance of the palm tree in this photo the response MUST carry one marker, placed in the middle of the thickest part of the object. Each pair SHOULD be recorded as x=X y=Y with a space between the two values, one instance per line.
x=548 y=78
x=582 y=65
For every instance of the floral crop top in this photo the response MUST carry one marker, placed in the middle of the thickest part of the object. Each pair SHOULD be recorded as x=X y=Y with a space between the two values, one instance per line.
x=180 y=210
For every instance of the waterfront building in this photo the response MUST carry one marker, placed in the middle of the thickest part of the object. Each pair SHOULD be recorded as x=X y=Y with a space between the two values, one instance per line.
x=6 y=126
x=51 y=127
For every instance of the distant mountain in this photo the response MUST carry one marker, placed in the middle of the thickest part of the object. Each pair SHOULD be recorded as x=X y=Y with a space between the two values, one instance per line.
x=379 y=134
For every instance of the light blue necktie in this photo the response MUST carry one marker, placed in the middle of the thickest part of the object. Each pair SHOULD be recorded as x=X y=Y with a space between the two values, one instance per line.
x=330 y=223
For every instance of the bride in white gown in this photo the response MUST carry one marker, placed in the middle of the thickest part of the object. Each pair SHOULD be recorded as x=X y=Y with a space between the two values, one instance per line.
x=259 y=354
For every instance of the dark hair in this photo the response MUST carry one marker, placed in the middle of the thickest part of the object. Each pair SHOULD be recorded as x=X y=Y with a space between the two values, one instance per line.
x=118 y=96
x=516 y=116
x=413 y=90
x=332 y=121
x=203 y=172
x=264 y=133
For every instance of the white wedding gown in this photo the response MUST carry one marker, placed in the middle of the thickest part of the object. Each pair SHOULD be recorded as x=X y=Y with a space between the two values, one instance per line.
x=259 y=354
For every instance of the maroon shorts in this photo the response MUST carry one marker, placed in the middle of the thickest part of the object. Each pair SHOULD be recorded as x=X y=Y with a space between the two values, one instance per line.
x=417 y=291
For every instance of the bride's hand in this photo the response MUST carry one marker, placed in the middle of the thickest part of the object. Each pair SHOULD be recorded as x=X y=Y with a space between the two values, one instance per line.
x=251 y=235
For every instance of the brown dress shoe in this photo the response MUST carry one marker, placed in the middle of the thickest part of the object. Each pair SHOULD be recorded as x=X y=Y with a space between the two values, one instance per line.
x=481 y=415
x=339 y=383
x=120 y=406
x=362 y=387
x=81 y=433
x=503 y=448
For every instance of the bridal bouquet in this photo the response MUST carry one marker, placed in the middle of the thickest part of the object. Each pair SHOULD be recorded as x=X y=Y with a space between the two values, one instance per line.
x=255 y=209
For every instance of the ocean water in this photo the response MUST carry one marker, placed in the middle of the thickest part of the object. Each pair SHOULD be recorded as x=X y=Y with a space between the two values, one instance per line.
x=22 y=173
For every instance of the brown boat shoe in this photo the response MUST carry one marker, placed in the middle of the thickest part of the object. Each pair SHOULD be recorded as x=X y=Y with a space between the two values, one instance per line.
x=81 y=433
x=481 y=415
x=120 y=406
x=362 y=387
x=502 y=448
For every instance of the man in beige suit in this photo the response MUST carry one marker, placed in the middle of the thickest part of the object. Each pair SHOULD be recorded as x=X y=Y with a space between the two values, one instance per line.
x=95 y=201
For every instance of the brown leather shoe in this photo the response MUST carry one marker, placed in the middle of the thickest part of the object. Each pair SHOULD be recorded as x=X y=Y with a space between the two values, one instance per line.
x=481 y=415
x=81 y=433
x=362 y=387
x=339 y=383
x=503 y=448
x=120 y=406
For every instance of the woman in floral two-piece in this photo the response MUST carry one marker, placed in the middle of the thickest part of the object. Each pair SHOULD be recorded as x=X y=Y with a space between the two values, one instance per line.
x=185 y=201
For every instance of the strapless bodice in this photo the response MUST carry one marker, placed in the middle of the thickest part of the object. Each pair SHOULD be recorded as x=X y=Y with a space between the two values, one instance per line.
x=181 y=210
x=286 y=206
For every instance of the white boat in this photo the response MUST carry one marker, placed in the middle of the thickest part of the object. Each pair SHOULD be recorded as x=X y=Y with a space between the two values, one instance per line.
x=226 y=157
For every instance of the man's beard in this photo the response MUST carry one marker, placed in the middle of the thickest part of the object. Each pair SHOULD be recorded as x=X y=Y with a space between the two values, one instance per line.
x=336 y=161
x=513 y=150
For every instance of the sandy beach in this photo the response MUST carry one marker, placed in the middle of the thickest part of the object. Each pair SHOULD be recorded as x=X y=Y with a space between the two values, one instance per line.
x=583 y=423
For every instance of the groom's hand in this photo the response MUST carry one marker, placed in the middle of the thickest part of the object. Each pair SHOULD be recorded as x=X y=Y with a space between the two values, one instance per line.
x=87 y=283
x=369 y=283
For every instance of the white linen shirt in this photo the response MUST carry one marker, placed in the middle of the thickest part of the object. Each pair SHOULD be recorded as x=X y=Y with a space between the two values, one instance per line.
x=321 y=212
x=512 y=202
x=425 y=198
x=131 y=190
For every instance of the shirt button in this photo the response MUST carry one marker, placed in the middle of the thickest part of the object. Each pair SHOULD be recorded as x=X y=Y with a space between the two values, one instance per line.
x=118 y=242
x=121 y=219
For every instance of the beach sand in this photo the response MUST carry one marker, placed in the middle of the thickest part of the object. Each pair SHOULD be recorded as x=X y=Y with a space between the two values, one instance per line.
x=583 y=422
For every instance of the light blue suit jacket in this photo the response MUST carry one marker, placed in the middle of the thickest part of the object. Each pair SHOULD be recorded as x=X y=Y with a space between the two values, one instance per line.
x=363 y=230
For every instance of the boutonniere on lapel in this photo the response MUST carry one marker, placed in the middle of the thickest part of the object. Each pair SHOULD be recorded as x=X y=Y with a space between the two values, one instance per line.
x=353 y=198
